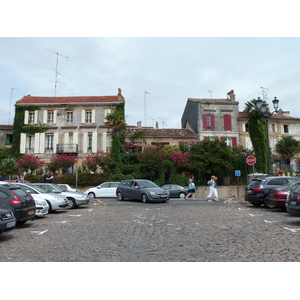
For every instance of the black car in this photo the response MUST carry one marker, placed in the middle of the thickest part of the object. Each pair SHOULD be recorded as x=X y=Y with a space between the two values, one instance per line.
x=257 y=190
x=293 y=201
x=7 y=220
x=175 y=190
x=18 y=201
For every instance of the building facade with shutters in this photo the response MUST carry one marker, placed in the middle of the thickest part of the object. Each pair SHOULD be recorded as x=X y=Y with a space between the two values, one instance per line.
x=213 y=118
x=74 y=125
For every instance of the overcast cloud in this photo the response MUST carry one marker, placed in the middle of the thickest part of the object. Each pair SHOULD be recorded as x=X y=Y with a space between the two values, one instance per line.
x=169 y=69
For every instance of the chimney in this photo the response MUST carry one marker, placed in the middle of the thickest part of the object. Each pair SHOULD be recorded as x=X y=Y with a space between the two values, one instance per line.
x=156 y=125
x=139 y=124
x=231 y=95
x=119 y=91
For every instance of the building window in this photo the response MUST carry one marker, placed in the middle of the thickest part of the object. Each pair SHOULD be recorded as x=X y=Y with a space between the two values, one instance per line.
x=50 y=117
x=286 y=128
x=49 y=142
x=273 y=128
x=8 y=140
x=88 y=117
x=246 y=127
x=90 y=141
x=208 y=122
x=31 y=117
x=30 y=144
x=69 y=117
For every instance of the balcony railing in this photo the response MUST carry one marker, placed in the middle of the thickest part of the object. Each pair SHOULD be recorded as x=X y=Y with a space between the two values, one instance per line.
x=67 y=148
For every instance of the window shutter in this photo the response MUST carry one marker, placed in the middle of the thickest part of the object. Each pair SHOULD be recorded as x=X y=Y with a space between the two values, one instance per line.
x=234 y=144
x=227 y=122
x=204 y=119
x=212 y=120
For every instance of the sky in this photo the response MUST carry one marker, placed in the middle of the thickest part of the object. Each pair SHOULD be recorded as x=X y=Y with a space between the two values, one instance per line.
x=156 y=74
x=157 y=68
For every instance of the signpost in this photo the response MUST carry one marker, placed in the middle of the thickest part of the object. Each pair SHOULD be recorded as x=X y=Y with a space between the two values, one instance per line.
x=251 y=161
x=238 y=174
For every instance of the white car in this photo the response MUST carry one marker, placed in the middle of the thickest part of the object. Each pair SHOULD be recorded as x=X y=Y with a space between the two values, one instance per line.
x=41 y=205
x=67 y=187
x=106 y=189
x=54 y=201
x=75 y=198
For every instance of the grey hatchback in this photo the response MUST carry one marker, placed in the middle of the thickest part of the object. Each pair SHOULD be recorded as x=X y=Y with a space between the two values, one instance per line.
x=141 y=189
x=257 y=190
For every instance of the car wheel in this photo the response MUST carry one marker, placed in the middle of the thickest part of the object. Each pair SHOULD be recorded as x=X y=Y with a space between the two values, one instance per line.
x=120 y=196
x=50 y=207
x=256 y=203
x=267 y=204
x=181 y=195
x=72 y=203
x=91 y=195
x=145 y=198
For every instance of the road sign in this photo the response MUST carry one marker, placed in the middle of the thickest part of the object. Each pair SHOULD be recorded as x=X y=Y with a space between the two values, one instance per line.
x=251 y=160
x=237 y=173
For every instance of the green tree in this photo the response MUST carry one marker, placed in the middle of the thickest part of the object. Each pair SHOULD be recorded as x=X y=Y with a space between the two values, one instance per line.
x=287 y=147
x=116 y=123
x=258 y=136
x=61 y=162
x=211 y=158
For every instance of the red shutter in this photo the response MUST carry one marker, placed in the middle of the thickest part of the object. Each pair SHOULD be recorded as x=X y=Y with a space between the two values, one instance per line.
x=204 y=119
x=234 y=144
x=206 y=137
x=212 y=120
x=227 y=122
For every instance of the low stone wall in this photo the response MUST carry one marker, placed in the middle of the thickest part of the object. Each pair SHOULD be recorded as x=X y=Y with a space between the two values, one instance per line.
x=223 y=191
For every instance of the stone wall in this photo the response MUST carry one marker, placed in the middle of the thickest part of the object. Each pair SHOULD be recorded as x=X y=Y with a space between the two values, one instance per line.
x=223 y=191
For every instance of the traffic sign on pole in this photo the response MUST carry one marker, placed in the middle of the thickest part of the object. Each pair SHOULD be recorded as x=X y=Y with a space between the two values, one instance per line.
x=251 y=160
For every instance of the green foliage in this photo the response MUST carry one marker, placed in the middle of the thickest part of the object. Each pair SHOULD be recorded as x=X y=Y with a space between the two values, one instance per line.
x=139 y=134
x=288 y=147
x=211 y=158
x=257 y=133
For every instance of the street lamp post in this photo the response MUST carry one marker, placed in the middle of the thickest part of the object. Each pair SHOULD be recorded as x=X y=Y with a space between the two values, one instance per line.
x=262 y=107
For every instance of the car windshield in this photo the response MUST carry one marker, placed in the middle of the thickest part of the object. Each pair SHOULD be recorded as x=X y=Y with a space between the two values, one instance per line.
x=147 y=184
x=254 y=183
x=50 y=189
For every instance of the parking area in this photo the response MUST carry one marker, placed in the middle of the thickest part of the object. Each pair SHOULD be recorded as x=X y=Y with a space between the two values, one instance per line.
x=178 y=231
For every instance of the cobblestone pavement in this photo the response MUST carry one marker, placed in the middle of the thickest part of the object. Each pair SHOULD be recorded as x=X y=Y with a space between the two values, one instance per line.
x=178 y=231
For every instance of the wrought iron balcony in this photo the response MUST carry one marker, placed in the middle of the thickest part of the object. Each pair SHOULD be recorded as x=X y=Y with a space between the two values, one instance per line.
x=67 y=148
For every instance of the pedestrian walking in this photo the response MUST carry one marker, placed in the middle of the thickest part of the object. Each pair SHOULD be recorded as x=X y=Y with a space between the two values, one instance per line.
x=192 y=188
x=213 y=188
x=48 y=177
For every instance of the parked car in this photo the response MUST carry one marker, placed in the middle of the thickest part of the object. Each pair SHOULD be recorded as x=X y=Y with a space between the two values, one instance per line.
x=141 y=189
x=18 y=201
x=15 y=180
x=7 y=220
x=75 y=198
x=67 y=187
x=293 y=200
x=257 y=190
x=105 y=189
x=54 y=201
x=175 y=190
x=277 y=197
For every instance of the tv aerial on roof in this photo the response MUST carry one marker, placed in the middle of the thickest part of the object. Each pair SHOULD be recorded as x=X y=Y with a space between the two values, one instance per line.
x=56 y=69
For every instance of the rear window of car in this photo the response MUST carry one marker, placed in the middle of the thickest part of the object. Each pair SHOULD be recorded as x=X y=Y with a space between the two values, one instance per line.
x=19 y=192
x=255 y=183
x=297 y=189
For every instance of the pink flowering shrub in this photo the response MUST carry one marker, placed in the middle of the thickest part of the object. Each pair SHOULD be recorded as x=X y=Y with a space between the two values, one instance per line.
x=29 y=162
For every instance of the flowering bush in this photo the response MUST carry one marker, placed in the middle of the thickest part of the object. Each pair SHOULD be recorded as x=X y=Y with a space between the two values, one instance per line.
x=62 y=162
x=29 y=162
x=182 y=161
x=97 y=160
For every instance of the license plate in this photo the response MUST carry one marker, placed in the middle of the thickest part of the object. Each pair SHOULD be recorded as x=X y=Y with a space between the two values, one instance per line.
x=11 y=224
x=293 y=202
x=31 y=212
x=249 y=192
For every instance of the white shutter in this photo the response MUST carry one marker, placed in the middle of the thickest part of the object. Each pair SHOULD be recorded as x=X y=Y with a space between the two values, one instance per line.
x=45 y=115
x=93 y=116
x=83 y=116
x=85 y=142
x=23 y=143
x=66 y=138
x=104 y=141
x=37 y=143
x=35 y=116
x=42 y=142
x=94 y=141
x=26 y=117
x=55 y=141
x=54 y=116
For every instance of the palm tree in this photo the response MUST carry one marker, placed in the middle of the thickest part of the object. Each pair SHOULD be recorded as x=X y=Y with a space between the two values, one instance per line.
x=287 y=147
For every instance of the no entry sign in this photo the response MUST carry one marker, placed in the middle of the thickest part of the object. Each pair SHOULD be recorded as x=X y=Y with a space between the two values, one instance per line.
x=251 y=160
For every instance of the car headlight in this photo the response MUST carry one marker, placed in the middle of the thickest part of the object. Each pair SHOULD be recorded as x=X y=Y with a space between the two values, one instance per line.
x=152 y=193
x=41 y=202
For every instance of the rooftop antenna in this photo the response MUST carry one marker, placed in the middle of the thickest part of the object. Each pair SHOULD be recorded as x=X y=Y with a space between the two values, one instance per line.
x=210 y=94
x=56 y=72
x=264 y=92
x=145 y=105
x=11 y=91
x=163 y=122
